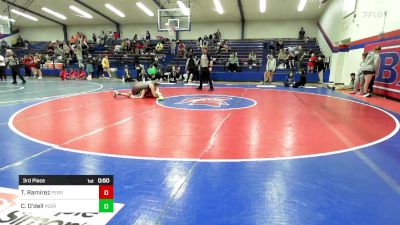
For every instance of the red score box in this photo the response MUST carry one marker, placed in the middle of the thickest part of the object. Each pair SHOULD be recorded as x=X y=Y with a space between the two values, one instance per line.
x=106 y=192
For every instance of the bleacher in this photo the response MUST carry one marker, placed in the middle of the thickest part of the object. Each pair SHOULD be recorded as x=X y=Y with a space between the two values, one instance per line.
x=220 y=72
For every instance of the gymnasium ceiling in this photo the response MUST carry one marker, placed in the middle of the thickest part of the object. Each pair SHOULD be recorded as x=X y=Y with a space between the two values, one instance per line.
x=202 y=11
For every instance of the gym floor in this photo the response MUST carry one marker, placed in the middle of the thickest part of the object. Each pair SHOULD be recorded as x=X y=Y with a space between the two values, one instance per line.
x=243 y=154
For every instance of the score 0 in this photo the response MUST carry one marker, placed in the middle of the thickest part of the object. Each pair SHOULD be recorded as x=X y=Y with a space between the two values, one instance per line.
x=106 y=198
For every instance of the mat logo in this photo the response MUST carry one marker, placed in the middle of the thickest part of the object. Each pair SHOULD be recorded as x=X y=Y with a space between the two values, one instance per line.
x=11 y=214
x=207 y=102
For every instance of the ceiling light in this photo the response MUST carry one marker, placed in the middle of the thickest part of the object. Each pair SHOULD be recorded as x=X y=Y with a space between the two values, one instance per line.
x=218 y=6
x=56 y=14
x=263 y=6
x=184 y=9
x=81 y=12
x=302 y=4
x=144 y=8
x=24 y=15
x=116 y=11
x=6 y=18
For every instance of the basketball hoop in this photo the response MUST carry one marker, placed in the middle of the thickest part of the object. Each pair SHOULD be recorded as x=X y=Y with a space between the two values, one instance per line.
x=172 y=19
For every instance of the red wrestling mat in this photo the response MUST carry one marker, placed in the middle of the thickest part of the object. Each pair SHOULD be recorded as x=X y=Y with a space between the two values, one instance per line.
x=253 y=124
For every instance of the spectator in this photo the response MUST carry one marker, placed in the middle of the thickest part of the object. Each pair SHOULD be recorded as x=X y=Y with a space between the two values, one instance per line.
x=37 y=62
x=159 y=48
x=79 y=55
x=116 y=35
x=270 y=68
x=148 y=48
x=271 y=47
x=3 y=76
x=219 y=36
x=190 y=68
x=299 y=55
x=72 y=40
x=282 y=58
x=233 y=63
x=148 y=37
x=181 y=49
x=103 y=38
x=4 y=44
x=199 y=43
x=222 y=45
x=153 y=73
x=289 y=80
x=205 y=43
x=84 y=45
x=280 y=45
x=106 y=66
x=171 y=33
x=99 y=64
x=139 y=48
x=63 y=73
x=20 y=41
x=210 y=37
x=135 y=38
x=370 y=66
x=174 y=73
x=89 y=67
x=303 y=80
x=352 y=79
x=127 y=75
x=27 y=61
x=189 y=51
x=291 y=59
x=50 y=47
x=326 y=61
x=311 y=63
x=81 y=74
x=302 y=33
x=109 y=38
x=173 y=47
x=127 y=46
x=94 y=37
x=140 y=71
x=72 y=75
x=320 y=68
x=252 y=58
x=359 y=79
x=58 y=51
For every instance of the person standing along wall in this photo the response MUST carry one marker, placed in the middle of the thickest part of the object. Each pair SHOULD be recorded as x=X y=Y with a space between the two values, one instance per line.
x=270 y=69
x=2 y=69
x=106 y=66
x=371 y=64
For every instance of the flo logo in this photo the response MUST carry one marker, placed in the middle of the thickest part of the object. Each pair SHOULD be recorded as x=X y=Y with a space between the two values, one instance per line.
x=207 y=102
x=10 y=214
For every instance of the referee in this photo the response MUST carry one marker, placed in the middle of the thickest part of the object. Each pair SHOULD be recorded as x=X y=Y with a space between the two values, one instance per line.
x=13 y=63
x=206 y=64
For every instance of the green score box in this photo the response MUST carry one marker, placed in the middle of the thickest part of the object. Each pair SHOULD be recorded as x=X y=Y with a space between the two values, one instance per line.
x=106 y=205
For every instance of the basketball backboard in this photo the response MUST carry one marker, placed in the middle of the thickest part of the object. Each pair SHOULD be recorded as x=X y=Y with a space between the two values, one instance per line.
x=173 y=19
